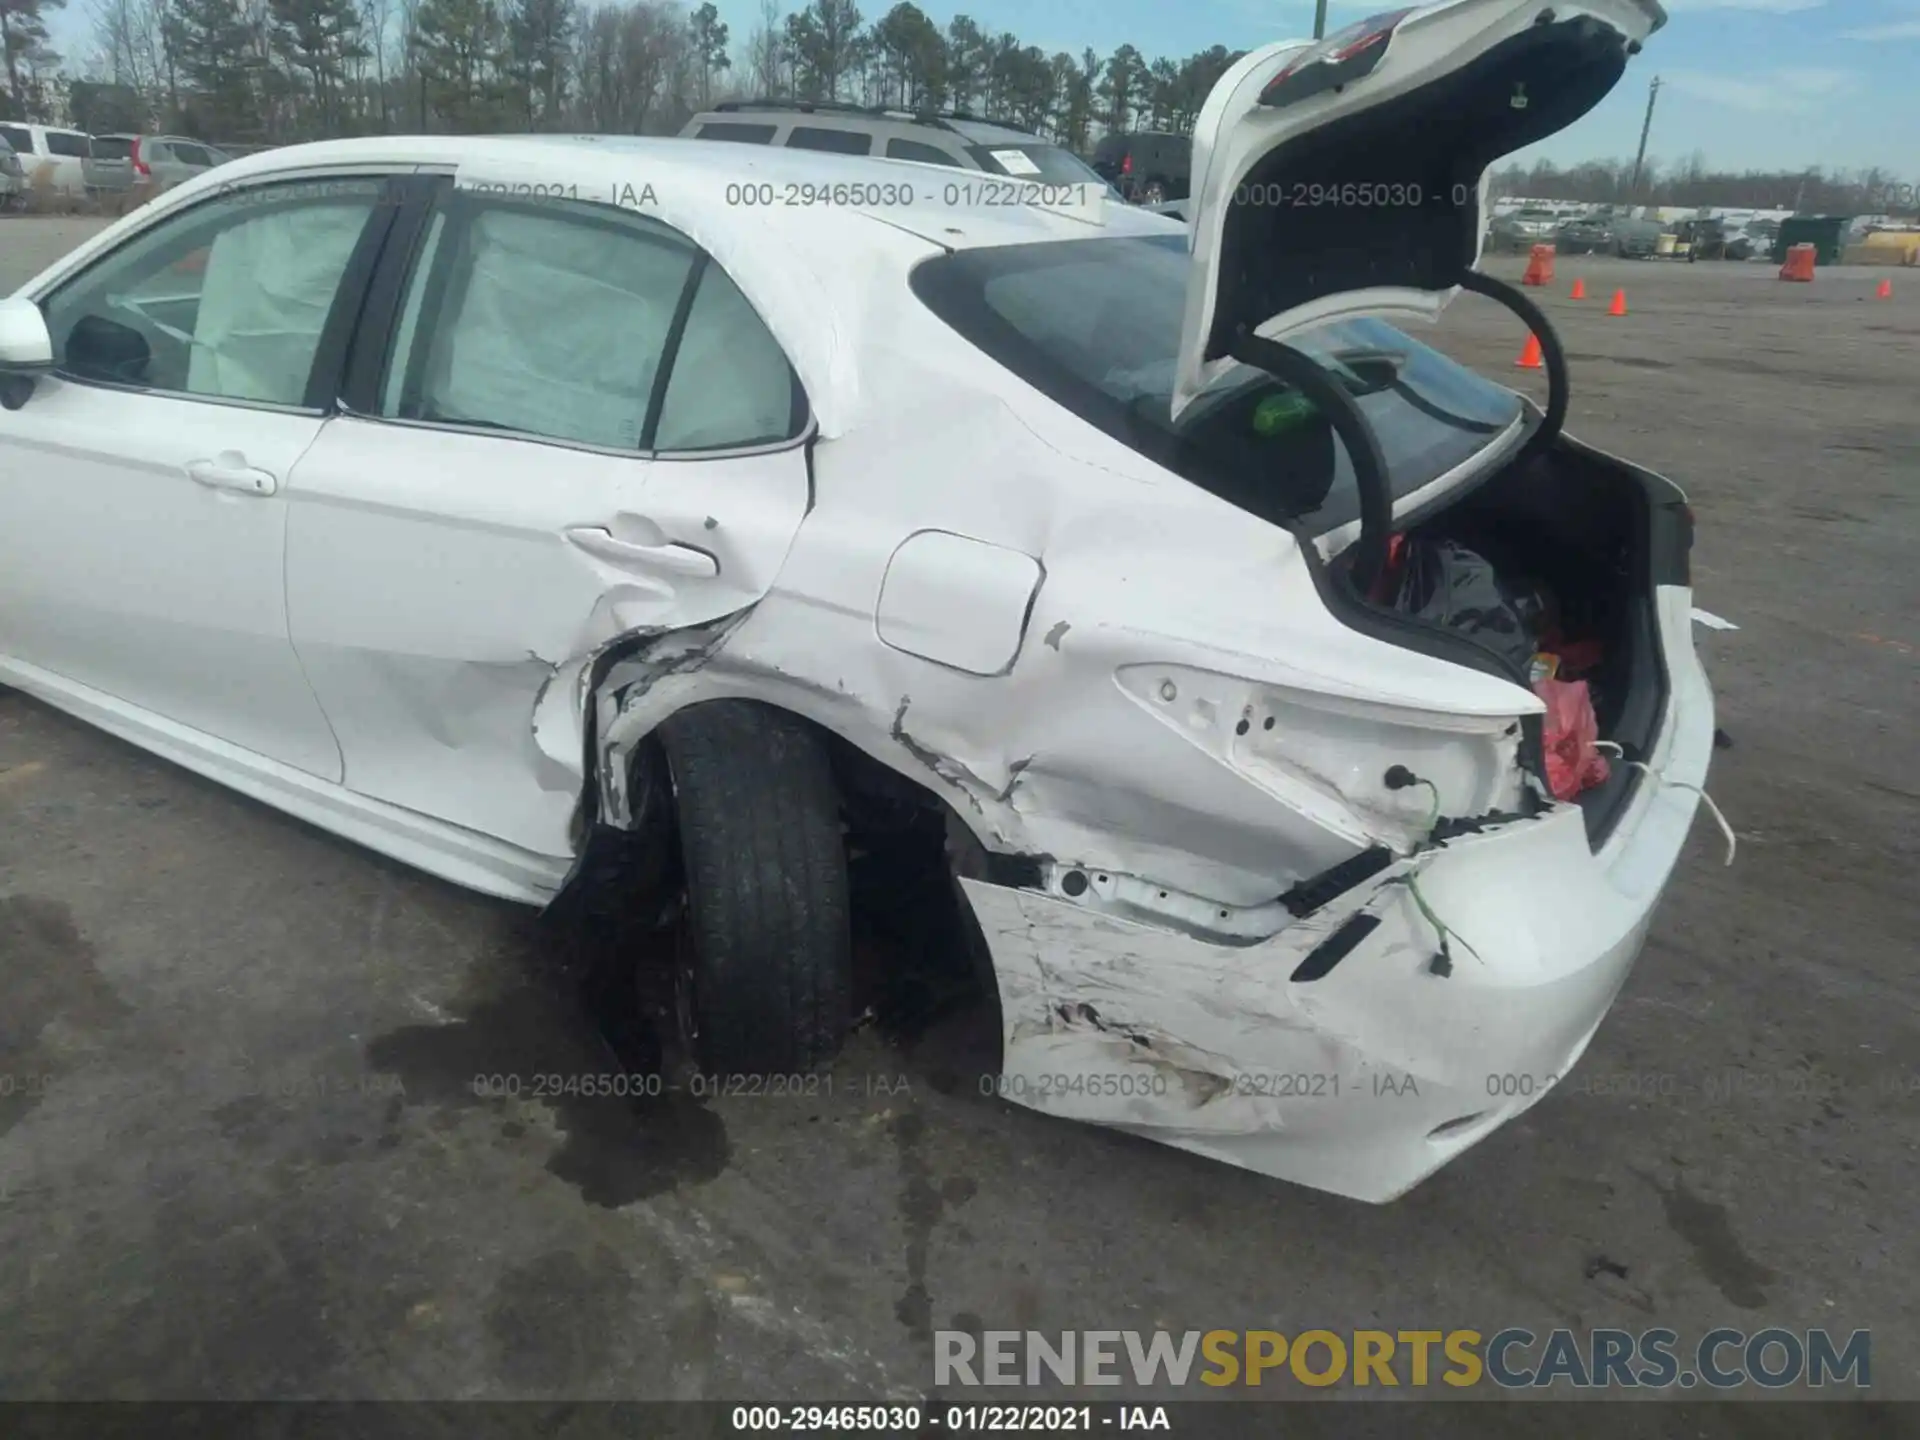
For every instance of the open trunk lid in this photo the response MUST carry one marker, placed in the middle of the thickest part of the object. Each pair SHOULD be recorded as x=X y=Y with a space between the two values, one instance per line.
x=1348 y=176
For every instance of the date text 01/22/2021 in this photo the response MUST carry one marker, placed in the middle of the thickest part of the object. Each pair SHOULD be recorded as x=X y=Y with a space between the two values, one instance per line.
x=949 y=1419
x=984 y=191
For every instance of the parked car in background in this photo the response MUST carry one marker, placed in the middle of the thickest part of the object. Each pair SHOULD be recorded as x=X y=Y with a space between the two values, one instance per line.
x=1522 y=229
x=1635 y=238
x=153 y=163
x=109 y=166
x=1753 y=241
x=53 y=158
x=13 y=177
x=960 y=142
x=1588 y=234
x=1149 y=167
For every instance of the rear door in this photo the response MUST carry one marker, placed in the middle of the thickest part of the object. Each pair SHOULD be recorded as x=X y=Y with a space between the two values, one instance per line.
x=565 y=425
x=1348 y=176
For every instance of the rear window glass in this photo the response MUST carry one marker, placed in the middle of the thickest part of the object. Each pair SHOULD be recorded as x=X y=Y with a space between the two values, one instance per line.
x=112 y=147
x=731 y=130
x=1111 y=148
x=926 y=154
x=1095 y=324
x=18 y=138
x=65 y=142
x=1035 y=161
x=840 y=142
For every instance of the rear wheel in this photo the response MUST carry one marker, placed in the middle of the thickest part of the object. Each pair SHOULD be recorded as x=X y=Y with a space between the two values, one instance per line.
x=764 y=950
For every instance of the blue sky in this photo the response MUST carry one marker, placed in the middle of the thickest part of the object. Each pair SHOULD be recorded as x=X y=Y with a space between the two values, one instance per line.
x=1751 y=83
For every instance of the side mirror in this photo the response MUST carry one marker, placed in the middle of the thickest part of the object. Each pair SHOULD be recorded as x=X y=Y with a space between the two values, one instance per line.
x=26 y=350
x=26 y=346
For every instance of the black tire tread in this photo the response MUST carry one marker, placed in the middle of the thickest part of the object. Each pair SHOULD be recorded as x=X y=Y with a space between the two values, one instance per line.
x=766 y=872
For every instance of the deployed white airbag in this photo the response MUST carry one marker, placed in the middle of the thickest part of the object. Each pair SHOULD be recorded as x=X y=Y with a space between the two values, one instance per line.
x=555 y=328
x=270 y=281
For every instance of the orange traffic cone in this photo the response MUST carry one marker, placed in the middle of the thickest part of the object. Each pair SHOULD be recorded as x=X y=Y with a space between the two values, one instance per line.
x=1529 y=354
x=1579 y=290
x=1619 y=305
x=1885 y=292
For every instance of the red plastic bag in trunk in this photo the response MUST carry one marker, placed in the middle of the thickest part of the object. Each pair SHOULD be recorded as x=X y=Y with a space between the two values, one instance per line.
x=1573 y=764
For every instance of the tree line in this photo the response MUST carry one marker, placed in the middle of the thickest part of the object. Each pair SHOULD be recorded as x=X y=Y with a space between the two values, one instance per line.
x=1691 y=183
x=277 y=71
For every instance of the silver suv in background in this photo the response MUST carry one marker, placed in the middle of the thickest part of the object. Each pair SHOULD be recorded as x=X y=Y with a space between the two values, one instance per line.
x=962 y=142
x=149 y=163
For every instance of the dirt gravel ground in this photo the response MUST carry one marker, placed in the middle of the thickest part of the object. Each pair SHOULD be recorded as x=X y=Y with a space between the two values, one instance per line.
x=240 y=1155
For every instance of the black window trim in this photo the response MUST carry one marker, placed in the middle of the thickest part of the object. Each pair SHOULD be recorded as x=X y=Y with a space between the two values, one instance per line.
x=335 y=331
x=370 y=356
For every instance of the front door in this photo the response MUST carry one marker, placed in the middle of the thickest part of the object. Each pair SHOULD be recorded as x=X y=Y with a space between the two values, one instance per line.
x=143 y=485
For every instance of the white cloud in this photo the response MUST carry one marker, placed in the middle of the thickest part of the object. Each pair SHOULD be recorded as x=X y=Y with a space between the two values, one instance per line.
x=1898 y=30
x=1793 y=89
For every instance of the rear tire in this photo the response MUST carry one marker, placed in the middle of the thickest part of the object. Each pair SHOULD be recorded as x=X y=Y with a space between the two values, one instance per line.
x=766 y=951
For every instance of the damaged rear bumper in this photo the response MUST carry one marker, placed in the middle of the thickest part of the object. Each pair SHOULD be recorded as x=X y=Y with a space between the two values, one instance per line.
x=1368 y=1078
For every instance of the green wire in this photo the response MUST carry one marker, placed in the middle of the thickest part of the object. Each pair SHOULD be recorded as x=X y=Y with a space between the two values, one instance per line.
x=1420 y=901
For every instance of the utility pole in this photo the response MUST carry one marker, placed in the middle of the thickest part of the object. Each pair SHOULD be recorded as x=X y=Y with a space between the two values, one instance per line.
x=1319 y=19
x=1646 y=125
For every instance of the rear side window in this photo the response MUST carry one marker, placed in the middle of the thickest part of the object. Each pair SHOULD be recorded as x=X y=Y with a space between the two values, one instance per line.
x=926 y=154
x=18 y=137
x=65 y=142
x=1095 y=324
x=191 y=155
x=732 y=130
x=112 y=147
x=563 y=321
x=840 y=142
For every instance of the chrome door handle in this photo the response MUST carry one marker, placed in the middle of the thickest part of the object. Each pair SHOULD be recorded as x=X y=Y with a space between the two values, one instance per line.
x=231 y=472
x=674 y=558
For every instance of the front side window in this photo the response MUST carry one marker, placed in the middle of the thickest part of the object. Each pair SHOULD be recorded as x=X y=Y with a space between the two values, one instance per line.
x=583 y=324
x=228 y=299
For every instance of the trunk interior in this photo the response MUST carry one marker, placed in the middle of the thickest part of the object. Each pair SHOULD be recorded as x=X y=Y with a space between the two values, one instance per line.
x=1578 y=542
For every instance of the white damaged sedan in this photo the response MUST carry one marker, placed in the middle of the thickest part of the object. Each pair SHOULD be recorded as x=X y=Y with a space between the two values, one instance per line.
x=486 y=500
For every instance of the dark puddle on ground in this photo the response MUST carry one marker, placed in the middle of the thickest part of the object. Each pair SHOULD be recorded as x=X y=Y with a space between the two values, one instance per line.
x=1707 y=1228
x=584 y=1027
x=47 y=975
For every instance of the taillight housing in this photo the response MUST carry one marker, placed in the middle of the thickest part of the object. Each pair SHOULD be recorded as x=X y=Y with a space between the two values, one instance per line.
x=139 y=165
x=1126 y=164
x=1344 y=56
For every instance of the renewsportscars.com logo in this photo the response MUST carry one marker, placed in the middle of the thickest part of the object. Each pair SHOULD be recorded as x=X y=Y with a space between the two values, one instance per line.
x=1514 y=1358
